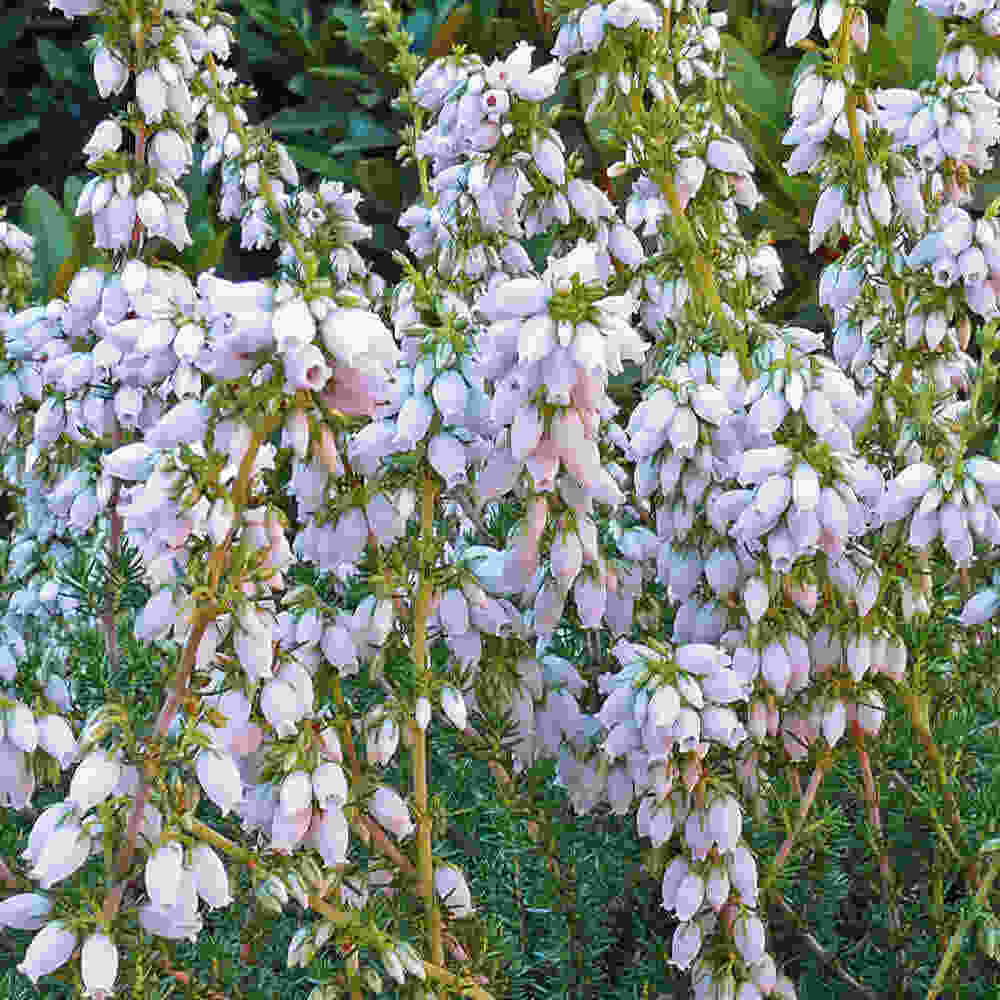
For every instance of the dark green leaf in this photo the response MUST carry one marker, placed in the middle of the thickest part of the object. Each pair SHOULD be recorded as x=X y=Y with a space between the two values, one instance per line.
x=330 y=168
x=50 y=227
x=420 y=24
x=210 y=253
x=12 y=27
x=356 y=31
x=18 y=129
x=305 y=120
x=380 y=178
x=339 y=73
x=758 y=91
x=485 y=10
x=258 y=48
x=884 y=58
x=752 y=34
x=72 y=187
x=364 y=131
x=917 y=35
x=60 y=64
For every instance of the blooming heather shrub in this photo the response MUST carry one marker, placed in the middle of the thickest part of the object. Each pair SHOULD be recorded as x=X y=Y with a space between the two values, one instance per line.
x=749 y=543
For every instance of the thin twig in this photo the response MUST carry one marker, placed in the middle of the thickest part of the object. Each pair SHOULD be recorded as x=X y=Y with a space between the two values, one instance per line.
x=885 y=868
x=804 y=806
x=829 y=960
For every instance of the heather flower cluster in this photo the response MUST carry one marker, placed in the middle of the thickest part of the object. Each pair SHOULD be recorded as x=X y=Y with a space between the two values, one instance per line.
x=448 y=460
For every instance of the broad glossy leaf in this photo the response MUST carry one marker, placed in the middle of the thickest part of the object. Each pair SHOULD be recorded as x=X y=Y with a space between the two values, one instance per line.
x=380 y=178
x=12 y=27
x=18 y=129
x=322 y=163
x=758 y=91
x=72 y=187
x=365 y=131
x=340 y=73
x=917 y=35
x=294 y=120
x=885 y=59
x=49 y=225
x=63 y=65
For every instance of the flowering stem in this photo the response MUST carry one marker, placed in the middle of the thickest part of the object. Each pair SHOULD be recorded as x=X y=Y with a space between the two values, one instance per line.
x=970 y=917
x=339 y=917
x=885 y=868
x=114 y=897
x=203 y=616
x=425 y=861
x=203 y=832
x=700 y=275
x=917 y=710
x=287 y=231
x=804 y=806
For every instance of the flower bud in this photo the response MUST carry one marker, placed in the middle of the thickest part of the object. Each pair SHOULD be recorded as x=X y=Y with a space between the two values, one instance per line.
x=422 y=712
x=454 y=707
x=454 y=890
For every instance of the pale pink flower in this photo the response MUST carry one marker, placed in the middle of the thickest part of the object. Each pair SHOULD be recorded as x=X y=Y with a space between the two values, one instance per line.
x=391 y=811
x=330 y=835
x=220 y=778
x=49 y=950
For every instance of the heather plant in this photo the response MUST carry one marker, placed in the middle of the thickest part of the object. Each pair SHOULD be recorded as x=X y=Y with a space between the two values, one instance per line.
x=347 y=515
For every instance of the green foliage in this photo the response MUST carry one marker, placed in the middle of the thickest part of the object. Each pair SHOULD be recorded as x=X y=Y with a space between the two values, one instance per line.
x=49 y=224
x=917 y=37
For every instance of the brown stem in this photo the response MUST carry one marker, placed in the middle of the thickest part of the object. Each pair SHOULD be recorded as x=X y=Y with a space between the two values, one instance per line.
x=8 y=878
x=804 y=806
x=885 y=867
x=202 y=618
x=829 y=960
x=167 y=713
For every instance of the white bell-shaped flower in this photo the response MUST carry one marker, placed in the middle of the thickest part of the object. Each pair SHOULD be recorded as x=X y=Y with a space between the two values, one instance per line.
x=93 y=780
x=163 y=873
x=210 y=876
x=99 y=966
x=49 y=950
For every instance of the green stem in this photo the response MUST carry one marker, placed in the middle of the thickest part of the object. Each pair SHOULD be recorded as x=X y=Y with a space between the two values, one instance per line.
x=421 y=613
x=963 y=928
